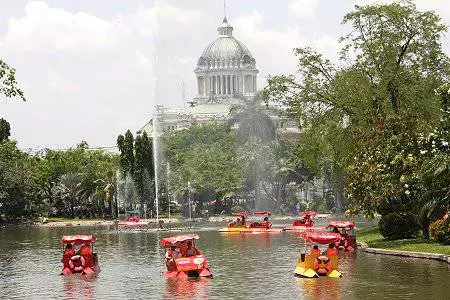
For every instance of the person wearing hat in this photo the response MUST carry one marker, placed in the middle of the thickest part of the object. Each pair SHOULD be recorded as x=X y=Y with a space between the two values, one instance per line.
x=315 y=250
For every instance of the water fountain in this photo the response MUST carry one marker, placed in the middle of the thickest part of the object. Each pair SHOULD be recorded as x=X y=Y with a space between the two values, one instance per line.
x=155 y=137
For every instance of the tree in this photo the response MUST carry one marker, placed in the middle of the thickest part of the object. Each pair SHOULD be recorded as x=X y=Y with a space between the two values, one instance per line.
x=434 y=173
x=4 y=130
x=18 y=189
x=392 y=62
x=8 y=83
x=126 y=148
x=206 y=157
x=70 y=190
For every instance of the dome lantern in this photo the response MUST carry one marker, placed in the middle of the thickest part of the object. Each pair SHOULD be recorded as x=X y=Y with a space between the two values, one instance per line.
x=225 y=29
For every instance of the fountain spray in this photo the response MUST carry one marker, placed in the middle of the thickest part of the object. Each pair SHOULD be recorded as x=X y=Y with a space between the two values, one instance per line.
x=155 y=161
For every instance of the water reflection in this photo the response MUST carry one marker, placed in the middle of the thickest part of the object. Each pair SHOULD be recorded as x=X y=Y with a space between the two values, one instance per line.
x=77 y=286
x=187 y=288
x=319 y=288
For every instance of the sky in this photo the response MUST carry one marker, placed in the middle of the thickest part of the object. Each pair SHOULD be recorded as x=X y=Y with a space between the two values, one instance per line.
x=90 y=70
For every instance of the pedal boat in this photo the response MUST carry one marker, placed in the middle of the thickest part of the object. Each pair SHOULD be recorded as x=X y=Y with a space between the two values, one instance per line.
x=83 y=263
x=347 y=231
x=255 y=227
x=318 y=265
x=306 y=223
x=185 y=267
x=133 y=221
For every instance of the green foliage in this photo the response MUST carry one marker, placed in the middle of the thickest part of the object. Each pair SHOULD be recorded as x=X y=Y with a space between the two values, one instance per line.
x=136 y=161
x=365 y=117
x=61 y=183
x=18 y=189
x=396 y=226
x=440 y=230
x=126 y=148
x=8 y=83
x=5 y=130
x=205 y=156
x=237 y=208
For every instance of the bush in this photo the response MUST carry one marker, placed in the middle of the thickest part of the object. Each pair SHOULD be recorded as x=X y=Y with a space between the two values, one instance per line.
x=396 y=226
x=237 y=208
x=440 y=230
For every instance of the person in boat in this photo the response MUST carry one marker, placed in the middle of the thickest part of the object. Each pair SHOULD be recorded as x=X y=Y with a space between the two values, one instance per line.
x=86 y=252
x=238 y=222
x=69 y=251
x=331 y=250
x=170 y=256
x=243 y=221
x=266 y=222
x=336 y=230
x=315 y=250
x=190 y=250
x=308 y=221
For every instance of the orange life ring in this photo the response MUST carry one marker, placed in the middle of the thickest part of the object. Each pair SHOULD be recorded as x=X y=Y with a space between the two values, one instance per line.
x=77 y=263
x=322 y=265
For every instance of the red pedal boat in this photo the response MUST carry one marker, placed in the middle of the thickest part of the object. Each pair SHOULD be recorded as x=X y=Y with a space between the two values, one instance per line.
x=183 y=259
x=133 y=221
x=82 y=260
x=347 y=231
x=306 y=223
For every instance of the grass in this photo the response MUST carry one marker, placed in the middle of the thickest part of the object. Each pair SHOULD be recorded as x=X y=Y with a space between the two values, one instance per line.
x=373 y=238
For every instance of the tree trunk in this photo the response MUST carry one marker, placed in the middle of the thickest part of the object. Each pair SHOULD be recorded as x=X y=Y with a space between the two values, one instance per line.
x=425 y=224
x=72 y=208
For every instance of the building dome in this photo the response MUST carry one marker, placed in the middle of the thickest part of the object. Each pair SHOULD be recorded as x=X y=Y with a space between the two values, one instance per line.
x=225 y=51
x=226 y=70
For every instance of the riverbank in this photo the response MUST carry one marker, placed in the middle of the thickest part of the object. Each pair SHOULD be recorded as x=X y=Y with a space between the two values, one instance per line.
x=62 y=222
x=374 y=240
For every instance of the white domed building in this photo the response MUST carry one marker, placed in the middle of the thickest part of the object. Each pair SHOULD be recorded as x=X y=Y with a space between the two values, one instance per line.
x=226 y=70
x=226 y=76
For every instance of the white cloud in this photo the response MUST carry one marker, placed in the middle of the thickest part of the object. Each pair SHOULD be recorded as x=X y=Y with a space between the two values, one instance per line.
x=303 y=8
x=48 y=30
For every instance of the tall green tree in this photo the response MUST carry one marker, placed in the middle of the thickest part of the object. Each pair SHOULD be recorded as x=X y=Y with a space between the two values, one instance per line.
x=205 y=156
x=391 y=64
x=18 y=189
x=5 y=130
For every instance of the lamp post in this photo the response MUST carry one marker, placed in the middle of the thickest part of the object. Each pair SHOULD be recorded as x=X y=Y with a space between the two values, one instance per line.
x=168 y=186
x=189 y=200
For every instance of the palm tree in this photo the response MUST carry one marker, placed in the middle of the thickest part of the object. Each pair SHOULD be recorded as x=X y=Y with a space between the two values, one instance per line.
x=252 y=121
x=70 y=190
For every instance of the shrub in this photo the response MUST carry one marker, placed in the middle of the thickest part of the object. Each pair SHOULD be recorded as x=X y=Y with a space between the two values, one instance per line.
x=440 y=230
x=394 y=226
x=237 y=208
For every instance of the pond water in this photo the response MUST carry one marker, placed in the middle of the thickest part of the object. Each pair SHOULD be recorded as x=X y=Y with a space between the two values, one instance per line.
x=245 y=266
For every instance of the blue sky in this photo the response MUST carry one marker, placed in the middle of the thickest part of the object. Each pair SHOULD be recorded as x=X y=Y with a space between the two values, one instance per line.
x=88 y=67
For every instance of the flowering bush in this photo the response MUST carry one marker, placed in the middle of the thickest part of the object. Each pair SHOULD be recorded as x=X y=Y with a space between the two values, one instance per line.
x=440 y=230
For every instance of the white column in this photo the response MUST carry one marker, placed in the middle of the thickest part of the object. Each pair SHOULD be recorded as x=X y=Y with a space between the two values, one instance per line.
x=232 y=84
x=224 y=80
x=219 y=82
x=217 y=85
